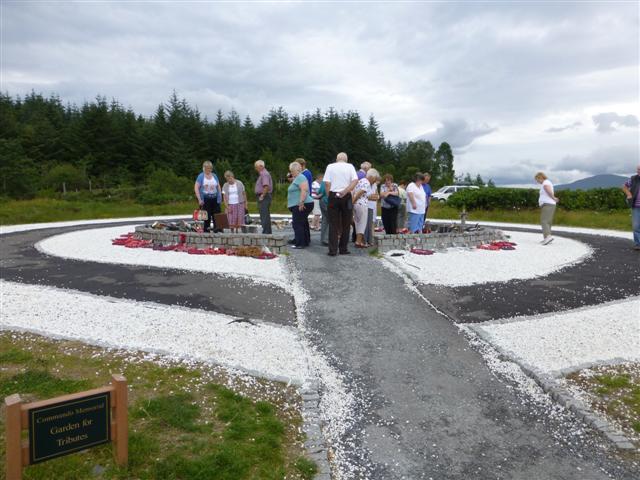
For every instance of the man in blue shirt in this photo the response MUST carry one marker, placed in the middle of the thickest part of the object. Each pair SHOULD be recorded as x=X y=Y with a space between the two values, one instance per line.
x=427 y=192
x=306 y=172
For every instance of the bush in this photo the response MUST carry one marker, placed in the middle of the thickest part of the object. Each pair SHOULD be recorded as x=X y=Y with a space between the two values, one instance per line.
x=72 y=177
x=164 y=186
x=601 y=199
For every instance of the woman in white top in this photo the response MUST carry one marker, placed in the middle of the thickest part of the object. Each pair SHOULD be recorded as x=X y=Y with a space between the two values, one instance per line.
x=416 y=203
x=235 y=200
x=361 y=193
x=547 y=202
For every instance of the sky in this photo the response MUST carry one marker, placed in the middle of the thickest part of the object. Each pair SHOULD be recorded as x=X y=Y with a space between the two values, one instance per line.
x=513 y=87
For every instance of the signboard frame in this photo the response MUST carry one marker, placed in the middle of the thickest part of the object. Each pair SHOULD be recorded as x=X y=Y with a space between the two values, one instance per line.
x=20 y=454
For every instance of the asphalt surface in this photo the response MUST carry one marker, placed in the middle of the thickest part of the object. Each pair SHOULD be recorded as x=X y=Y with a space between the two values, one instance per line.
x=429 y=407
x=611 y=273
x=21 y=262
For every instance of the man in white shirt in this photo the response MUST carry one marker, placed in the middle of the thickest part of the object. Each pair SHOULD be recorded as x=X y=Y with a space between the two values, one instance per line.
x=340 y=179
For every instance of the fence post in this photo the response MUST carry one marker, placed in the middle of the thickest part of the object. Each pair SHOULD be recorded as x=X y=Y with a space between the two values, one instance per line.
x=122 y=425
x=13 y=427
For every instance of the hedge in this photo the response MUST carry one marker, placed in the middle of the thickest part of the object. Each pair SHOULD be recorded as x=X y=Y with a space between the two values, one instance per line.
x=517 y=198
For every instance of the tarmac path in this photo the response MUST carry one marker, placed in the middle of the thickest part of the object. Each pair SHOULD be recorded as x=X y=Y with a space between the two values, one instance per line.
x=429 y=407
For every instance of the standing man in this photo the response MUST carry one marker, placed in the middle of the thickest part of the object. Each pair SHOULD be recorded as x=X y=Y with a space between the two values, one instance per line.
x=631 y=188
x=305 y=171
x=340 y=179
x=427 y=192
x=263 y=191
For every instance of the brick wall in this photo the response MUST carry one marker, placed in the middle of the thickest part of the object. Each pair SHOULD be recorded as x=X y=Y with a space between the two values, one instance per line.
x=435 y=241
x=277 y=243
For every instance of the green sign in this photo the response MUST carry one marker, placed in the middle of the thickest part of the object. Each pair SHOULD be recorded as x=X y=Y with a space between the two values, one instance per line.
x=66 y=427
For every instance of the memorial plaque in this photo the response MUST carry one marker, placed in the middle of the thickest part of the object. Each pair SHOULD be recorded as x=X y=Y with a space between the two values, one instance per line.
x=66 y=427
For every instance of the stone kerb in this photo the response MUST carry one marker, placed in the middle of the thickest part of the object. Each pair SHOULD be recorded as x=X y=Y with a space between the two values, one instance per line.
x=277 y=243
x=435 y=241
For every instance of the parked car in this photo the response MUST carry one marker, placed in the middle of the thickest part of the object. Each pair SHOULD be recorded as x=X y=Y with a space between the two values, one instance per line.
x=445 y=192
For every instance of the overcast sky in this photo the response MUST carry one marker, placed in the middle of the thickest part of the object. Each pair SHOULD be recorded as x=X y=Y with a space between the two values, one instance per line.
x=514 y=87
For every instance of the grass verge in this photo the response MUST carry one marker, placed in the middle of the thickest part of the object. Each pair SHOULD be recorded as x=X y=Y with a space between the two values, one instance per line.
x=53 y=210
x=613 y=391
x=187 y=421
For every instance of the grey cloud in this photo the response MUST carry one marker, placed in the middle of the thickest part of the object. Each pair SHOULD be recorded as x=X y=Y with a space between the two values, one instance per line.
x=458 y=133
x=605 y=122
x=613 y=159
x=562 y=129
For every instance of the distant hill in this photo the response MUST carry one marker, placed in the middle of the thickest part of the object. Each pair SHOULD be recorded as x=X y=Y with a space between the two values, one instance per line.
x=597 y=181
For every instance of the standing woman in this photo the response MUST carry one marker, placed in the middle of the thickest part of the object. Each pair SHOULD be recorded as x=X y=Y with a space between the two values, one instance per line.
x=389 y=211
x=361 y=194
x=300 y=204
x=235 y=200
x=547 y=202
x=416 y=204
x=207 y=189
x=402 y=209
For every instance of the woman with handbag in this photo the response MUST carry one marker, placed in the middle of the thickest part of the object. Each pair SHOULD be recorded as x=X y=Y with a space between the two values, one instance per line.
x=389 y=205
x=208 y=193
x=234 y=196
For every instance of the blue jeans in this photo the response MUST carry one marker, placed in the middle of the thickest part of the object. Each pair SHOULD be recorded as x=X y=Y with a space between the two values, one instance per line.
x=635 y=224
x=416 y=220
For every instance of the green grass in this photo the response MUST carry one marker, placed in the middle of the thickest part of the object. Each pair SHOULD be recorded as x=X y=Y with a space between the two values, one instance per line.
x=615 y=220
x=14 y=212
x=53 y=210
x=615 y=392
x=183 y=424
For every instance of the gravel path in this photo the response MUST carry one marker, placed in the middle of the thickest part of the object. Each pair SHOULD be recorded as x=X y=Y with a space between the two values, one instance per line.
x=427 y=404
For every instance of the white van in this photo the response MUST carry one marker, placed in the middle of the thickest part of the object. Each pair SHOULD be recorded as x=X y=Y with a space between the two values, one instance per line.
x=445 y=192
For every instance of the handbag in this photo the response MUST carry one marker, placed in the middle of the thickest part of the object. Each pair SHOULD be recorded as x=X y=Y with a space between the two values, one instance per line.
x=200 y=215
x=393 y=200
x=221 y=221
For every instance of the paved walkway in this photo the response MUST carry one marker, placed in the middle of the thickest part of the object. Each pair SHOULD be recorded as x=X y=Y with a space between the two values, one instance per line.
x=429 y=406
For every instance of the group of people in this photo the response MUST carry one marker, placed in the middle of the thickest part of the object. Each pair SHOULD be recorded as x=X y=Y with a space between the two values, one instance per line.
x=343 y=198
x=232 y=196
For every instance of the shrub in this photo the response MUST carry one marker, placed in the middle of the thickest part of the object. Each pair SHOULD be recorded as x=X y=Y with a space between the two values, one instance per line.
x=164 y=186
x=602 y=199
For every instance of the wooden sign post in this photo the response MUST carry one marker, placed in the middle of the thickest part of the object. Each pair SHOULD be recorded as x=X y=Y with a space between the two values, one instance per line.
x=63 y=425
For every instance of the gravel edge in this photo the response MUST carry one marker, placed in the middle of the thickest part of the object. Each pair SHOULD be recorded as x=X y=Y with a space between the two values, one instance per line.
x=560 y=394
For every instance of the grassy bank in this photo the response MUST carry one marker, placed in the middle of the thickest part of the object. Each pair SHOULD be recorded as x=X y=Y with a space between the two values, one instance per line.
x=13 y=212
x=53 y=210
x=183 y=421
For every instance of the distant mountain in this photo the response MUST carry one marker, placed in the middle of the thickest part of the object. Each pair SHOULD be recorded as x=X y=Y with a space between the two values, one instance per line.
x=597 y=181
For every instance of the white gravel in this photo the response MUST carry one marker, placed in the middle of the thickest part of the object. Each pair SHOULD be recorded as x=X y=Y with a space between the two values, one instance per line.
x=586 y=336
x=459 y=267
x=94 y=245
x=264 y=350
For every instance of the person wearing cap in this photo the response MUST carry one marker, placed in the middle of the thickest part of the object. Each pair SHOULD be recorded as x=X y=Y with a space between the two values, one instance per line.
x=631 y=189
x=340 y=178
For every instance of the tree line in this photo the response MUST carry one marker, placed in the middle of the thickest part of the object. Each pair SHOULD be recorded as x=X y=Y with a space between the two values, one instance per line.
x=46 y=145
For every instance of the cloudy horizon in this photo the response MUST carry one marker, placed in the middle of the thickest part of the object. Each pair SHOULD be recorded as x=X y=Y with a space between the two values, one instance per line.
x=514 y=88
